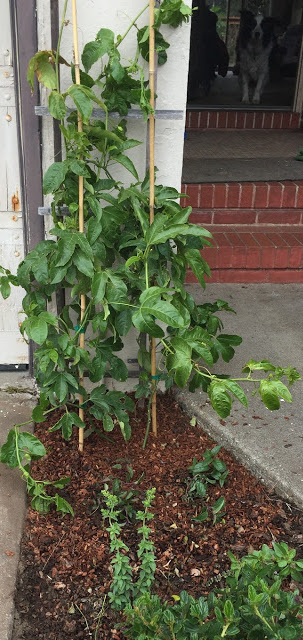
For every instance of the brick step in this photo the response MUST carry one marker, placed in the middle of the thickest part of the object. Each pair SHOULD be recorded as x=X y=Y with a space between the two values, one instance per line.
x=251 y=253
x=254 y=119
x=244 y=195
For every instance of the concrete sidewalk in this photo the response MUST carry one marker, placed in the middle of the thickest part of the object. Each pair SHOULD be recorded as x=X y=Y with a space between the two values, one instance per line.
x=16 y=404
x=270 y=321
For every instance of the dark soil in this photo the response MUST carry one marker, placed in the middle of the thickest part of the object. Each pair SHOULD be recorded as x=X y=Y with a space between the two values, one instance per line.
x=65 y=562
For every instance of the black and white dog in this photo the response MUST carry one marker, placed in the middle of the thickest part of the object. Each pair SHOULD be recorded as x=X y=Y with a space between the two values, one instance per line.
x=256 y=40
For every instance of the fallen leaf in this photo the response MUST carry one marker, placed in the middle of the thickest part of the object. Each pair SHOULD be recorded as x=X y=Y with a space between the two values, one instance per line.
x=195 y=572
x=9 y=553
x=59 y=585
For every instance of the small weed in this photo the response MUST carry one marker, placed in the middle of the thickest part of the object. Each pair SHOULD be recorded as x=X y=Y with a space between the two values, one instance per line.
x=126 y=491
x=210 y=470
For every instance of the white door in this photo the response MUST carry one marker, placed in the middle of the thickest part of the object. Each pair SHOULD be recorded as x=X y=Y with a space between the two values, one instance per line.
x=13 y=349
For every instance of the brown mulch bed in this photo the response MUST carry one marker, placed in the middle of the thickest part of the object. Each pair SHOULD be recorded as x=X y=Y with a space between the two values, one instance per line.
x=65 y=562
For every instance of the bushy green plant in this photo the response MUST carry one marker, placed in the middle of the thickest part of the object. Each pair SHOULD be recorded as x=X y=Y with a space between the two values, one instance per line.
x=126 y=492
x=210 y=470
x=123 y=588
x=254 y=605
x=131 y=273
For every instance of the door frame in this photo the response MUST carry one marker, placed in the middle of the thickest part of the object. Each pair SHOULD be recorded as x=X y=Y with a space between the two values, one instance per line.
x=25 y=45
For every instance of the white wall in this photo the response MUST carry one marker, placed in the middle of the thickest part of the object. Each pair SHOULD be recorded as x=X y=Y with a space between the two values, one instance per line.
x=171 y=82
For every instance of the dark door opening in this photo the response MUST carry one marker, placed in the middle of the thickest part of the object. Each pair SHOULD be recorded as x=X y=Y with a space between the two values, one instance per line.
x=214 y=70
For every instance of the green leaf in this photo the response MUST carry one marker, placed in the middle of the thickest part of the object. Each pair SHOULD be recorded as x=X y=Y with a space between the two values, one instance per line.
x=218 y=505
x=108 y=424
x=123 y=322
x=160 y=232
x=45 y=70
x=83 y=102
x=56 y=105
x=8 y=453
x=180 y=361
x=237 y=391
x=198 y=266
x=98 y=286
x=83 y=263
x=127 y=163
x=5 y=287
x=220 y=400
x=118 y=369
x=66 y=248
x=95 y=50
x=61 y=388
x=94 y=230
x=54 y=177
x=63 y=506
x=37 y=329
x=38 y=414
x=203 y=515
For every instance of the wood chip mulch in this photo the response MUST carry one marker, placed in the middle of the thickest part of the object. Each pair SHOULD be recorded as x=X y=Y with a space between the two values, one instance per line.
x=65 y=562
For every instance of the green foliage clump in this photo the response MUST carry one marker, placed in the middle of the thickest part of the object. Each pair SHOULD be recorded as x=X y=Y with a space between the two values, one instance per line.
x=210 y=470
x=254 y=605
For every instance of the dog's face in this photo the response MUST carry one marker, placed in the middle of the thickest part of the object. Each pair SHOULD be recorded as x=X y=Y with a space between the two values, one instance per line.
x=257 y=29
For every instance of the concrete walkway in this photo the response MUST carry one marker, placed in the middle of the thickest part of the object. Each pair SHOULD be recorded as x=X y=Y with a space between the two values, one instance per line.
x=270 y=320
x=16 y=404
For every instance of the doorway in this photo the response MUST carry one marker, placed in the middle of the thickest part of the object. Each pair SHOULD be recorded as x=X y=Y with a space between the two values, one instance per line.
x=213 y=70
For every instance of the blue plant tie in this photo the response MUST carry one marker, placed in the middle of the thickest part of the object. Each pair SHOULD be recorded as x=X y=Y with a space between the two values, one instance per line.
x=77 y=327
x=157 y=377
x=84 y=405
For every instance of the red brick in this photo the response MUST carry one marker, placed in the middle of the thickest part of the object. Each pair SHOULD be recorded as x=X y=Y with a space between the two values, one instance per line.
x=295 y=259
x=267 y=259
x=253 y=258
x=277 y=120
x=292 y=240
x=235 y=238
x=285 y=276
x=289 y=195
x=281 y=257
x=267 y=124
x=249 y=240
x=194 y=120
x=212 y=122
x=203 y=120
x=239 y=257
x=281 y=216
x=225 y=257
x=234 y=217
x=295 y=120
x=261 y=197
x=222 y=122
x=199 y=216
x=259 y=120
x=242 y=276
x=262 y=239
x=210 y=254
x=247 y=194
x=220 y=195
x=286 y=117
x=275 y=194
x=221 y=239
x=299 y=237
x=276 y=239
x=233 y=195
x=231 y=120
x=240 y=120
x=250 y=117
x=299 y=202
x=193 y=192
x=206 y=195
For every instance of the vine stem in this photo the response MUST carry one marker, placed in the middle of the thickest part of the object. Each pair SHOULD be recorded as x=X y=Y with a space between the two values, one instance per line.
x=133 y=23
x=81 y=209
x=152 y=192
x=59 y=44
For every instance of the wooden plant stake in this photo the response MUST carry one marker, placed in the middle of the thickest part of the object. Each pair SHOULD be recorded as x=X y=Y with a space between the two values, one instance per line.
x=152 y=190
x=81 y=210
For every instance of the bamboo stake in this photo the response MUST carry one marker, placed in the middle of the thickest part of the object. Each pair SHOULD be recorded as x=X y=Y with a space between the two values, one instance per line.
x=152 y=189
x=81 y=198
